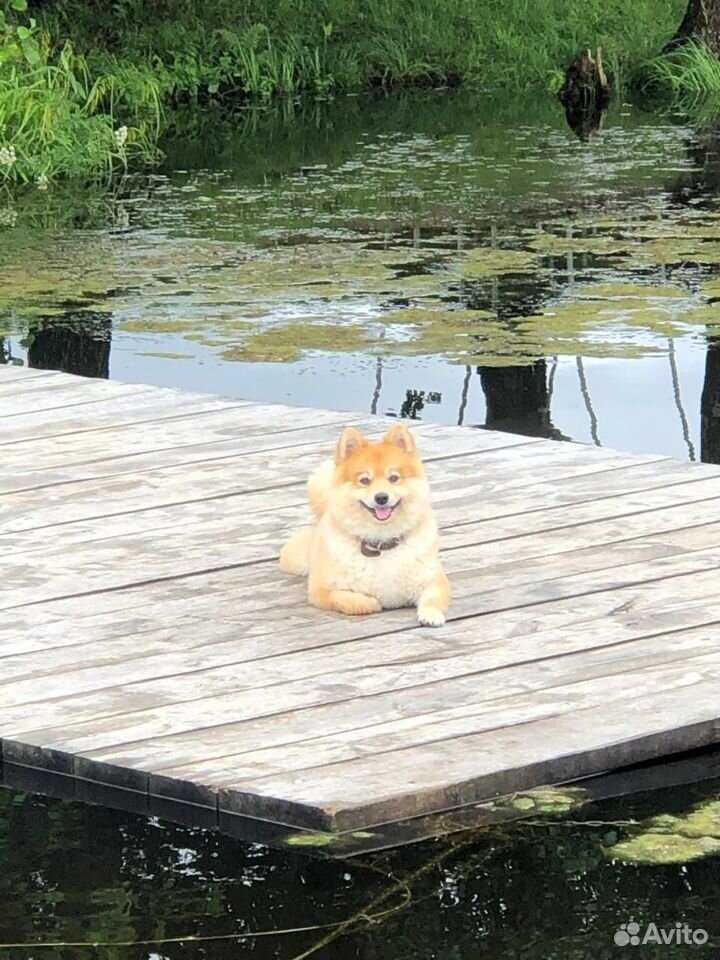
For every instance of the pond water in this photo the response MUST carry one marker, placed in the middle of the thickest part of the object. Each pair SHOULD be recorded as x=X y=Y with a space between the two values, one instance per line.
x=545 y=889
x=440 y=256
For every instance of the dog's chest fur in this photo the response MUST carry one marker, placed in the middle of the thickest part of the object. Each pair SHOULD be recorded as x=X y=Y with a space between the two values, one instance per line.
x=396 y=577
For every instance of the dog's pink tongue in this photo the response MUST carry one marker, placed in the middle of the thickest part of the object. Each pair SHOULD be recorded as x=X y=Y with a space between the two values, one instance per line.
x=382 y=513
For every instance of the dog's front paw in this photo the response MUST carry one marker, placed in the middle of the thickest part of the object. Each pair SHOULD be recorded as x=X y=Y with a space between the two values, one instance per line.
x=356 y=604
x=430 y=616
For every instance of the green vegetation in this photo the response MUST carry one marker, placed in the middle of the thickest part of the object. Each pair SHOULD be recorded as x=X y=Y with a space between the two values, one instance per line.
x=668 y=838
x=86 y=87
x=57 y=115
x=687 y=74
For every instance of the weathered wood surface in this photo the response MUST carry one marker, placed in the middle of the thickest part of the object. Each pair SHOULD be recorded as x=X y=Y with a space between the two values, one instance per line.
x=149 y=642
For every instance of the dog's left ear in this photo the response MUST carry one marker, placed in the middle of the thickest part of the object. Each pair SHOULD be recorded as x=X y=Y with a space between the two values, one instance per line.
x=349 y=443
x=400 y=436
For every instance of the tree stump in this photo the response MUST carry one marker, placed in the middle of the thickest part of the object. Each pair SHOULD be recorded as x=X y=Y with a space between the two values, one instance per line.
x=585 y=93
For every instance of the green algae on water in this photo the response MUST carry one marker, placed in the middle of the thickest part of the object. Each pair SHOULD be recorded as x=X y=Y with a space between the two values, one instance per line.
x=666 y=839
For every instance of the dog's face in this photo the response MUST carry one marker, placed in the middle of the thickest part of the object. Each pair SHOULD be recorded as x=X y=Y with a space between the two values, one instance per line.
x=380 y=488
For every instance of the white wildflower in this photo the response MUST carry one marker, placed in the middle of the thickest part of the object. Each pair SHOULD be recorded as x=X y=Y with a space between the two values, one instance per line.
x=8 y=217
x=7 y=156
x=42 y=182
x=121 y=135
x=121 y=216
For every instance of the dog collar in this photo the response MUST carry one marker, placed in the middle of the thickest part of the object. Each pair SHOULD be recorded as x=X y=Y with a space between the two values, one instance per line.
x=373 y=548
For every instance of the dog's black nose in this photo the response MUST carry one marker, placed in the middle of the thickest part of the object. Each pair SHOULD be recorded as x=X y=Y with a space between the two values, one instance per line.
x=381 y=499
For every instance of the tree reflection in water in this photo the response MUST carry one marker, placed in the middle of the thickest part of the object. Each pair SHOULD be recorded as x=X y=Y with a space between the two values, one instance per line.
x=76 y=343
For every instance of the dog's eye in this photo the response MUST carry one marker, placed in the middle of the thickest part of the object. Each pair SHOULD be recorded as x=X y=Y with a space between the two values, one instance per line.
x=365 y=481
x=393 y=478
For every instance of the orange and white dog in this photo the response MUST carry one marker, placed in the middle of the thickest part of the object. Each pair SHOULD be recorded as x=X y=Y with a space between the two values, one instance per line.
x=375 y=543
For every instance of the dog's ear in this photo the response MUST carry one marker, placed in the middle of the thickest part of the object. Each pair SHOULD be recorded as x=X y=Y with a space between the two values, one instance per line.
x=350 y=441
x=400 y=436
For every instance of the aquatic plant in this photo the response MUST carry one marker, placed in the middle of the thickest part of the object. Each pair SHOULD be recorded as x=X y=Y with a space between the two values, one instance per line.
x=667 y=839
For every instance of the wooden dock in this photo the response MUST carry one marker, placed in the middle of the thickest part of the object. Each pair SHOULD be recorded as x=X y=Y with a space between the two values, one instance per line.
x=150 y=648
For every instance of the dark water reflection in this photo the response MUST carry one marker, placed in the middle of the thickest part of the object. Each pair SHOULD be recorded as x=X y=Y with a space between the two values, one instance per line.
x=80 y=345
x=540 y=890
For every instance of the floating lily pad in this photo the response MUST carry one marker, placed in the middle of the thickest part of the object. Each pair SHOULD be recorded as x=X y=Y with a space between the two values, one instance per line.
x=706 y=313
x=711 y=288
x=409 y=287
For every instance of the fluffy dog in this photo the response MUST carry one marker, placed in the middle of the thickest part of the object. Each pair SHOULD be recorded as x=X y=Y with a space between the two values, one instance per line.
x=375 y=543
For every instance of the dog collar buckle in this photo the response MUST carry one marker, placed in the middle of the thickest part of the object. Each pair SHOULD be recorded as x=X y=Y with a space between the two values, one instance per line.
x=374 y=548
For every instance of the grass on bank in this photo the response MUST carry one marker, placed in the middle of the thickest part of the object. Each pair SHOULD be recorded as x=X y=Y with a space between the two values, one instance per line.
x=58 y=116
x=686 y=75
x=75 y=72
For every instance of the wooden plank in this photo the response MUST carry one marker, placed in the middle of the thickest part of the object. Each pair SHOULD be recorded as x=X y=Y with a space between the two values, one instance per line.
x=282 y=747
x=241 y=421
x=681 y=529
x=203 y=542
x=298 y=452
x=138 y=508
x=160 y=704
x=55 y=383
x=468 y=769
x=16 y=378
x=463 y=769
x=72 y=669
x=283 y=437
x=547 y=559
x=159 y=485
x=139 y=407
x=539 y=675
x=11 y=376
x=184 y=455
x=132 y=439
x=49 y=396
x=259 y=594
x=659 y=775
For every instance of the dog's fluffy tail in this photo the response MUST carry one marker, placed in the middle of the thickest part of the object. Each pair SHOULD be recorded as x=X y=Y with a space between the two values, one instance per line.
x=295 y=555
x=318 y=487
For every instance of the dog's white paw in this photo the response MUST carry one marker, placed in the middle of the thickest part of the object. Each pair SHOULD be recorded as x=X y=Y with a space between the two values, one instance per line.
x=431 y=616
